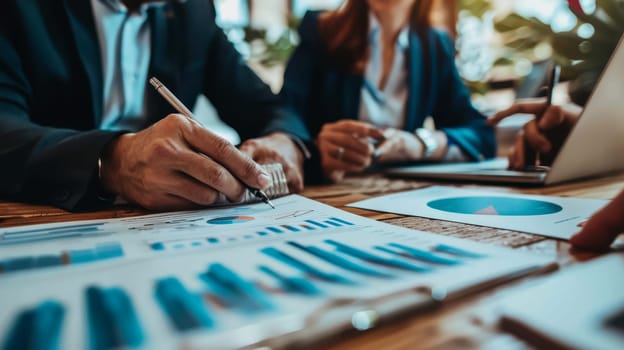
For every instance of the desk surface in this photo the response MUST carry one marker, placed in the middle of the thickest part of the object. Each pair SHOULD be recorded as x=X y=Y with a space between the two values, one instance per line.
x=460 y=324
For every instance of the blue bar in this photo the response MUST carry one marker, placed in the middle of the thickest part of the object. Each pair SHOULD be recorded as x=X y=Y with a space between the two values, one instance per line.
x=48 y=260
x=316 y=223
x=18 y=263
x=291 y=228
x=37 y=328
x=248 y=236
x=113 y=322
x=196 y=244
x=157 y=246
x=339 y=261
x=213 y=240
x=335 y=224
x=425 y=255
x=342 y=221
x=457 y=251
x=238 y=287
x=292 y=284
x=361 y=254
x=185 y=310
x=274 y=229
x=308 y=227
x=108 y=250
x=262 y=233
x=301 y=266
x=80 y=256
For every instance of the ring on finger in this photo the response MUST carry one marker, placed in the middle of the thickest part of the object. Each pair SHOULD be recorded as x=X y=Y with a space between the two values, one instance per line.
x=340 y=152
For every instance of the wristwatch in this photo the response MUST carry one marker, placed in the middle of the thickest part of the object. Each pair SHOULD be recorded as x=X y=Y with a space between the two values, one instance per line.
x=429 y=141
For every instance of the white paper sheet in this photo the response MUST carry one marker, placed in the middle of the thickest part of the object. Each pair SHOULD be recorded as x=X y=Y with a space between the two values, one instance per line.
x=184 y=244
x=557 y=217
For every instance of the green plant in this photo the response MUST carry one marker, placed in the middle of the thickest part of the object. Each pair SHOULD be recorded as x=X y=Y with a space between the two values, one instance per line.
x=582 y=51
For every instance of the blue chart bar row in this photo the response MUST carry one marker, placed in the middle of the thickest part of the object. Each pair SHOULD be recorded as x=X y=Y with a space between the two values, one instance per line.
x=185 y=310
x=112 y=320
x=101 y=251
x=234 y=291
x=38 y=328
x=43 y=234
x=283 y=229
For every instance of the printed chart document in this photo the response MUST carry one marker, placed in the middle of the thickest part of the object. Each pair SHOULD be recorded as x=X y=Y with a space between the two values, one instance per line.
x=231 y=277
x=556 y=217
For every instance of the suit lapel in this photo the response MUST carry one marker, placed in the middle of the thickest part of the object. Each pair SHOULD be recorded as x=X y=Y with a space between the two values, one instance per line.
x=83 y=28
x=351 y=101
x=165 y=57
x=415 y=79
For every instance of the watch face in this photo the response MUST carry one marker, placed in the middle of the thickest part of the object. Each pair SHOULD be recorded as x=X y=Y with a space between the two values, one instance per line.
x=429 y=141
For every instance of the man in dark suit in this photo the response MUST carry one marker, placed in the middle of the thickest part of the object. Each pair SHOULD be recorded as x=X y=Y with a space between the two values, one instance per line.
x=79 y=126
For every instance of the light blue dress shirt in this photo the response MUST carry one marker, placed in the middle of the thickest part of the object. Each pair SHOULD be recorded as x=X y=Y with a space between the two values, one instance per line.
x=385 y=107
x=125 y=48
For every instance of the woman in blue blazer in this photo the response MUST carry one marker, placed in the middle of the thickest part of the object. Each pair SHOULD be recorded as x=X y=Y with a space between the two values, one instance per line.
x=366 y=76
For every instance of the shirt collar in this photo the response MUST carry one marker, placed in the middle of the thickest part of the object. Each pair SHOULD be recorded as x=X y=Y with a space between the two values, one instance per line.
x=374 y=29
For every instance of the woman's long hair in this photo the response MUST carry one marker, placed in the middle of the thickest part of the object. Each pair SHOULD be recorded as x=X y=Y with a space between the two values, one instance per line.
x=345 y=31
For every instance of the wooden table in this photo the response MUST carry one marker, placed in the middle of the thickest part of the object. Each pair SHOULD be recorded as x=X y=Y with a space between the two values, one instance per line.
x=465 y=323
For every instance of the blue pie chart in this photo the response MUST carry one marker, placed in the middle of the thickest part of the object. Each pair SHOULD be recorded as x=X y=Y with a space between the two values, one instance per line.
x=229 y=220
x=503 y=206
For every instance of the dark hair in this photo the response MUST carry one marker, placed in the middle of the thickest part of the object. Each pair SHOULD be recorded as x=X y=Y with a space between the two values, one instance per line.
x=345 y=31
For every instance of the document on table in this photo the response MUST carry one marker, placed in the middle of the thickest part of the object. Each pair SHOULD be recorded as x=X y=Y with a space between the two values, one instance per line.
x=233 y=277
x=581 y=307
x=549 y=216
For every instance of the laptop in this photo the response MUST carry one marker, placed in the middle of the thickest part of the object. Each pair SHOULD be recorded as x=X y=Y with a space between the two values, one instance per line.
x=594 y=147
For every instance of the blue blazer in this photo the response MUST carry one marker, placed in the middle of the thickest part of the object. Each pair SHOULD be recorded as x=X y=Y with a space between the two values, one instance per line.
x=321 y=92
x=51 y=92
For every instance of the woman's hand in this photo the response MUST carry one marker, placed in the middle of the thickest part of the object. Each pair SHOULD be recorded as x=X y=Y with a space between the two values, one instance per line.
x=345 y=146
x=399 y=145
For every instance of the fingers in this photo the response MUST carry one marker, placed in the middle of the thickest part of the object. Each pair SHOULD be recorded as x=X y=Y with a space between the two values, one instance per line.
x=211 y=174
x=355 y=128
x=264 y=151
x=535 y=108
x=599 y=232
x=221 y=151
x=552 y=117
x=517 y=157
x=535 y=139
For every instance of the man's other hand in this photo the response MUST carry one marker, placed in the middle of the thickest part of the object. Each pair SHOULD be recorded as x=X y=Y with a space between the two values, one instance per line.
x=278 y=148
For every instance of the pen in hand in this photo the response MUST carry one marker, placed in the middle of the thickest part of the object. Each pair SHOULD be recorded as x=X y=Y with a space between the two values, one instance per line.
x=554 y=80
x=180 y=107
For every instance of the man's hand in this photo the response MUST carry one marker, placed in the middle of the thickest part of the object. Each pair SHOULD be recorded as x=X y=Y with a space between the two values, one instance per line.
x=278 y=148
x=603 y=227
x=177 y=164
x=345 y=146
x=545 y=136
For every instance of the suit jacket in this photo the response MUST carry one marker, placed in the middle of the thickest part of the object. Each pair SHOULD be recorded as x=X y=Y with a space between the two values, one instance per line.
x=321 y=92
x=51 y=92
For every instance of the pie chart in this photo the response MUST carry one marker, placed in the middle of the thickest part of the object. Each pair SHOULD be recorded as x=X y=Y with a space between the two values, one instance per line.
x=229 y=220
x=503 y=206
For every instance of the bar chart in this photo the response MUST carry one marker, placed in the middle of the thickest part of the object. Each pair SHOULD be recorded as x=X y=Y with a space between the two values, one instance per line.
x=251 y=234
x=263 y=275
